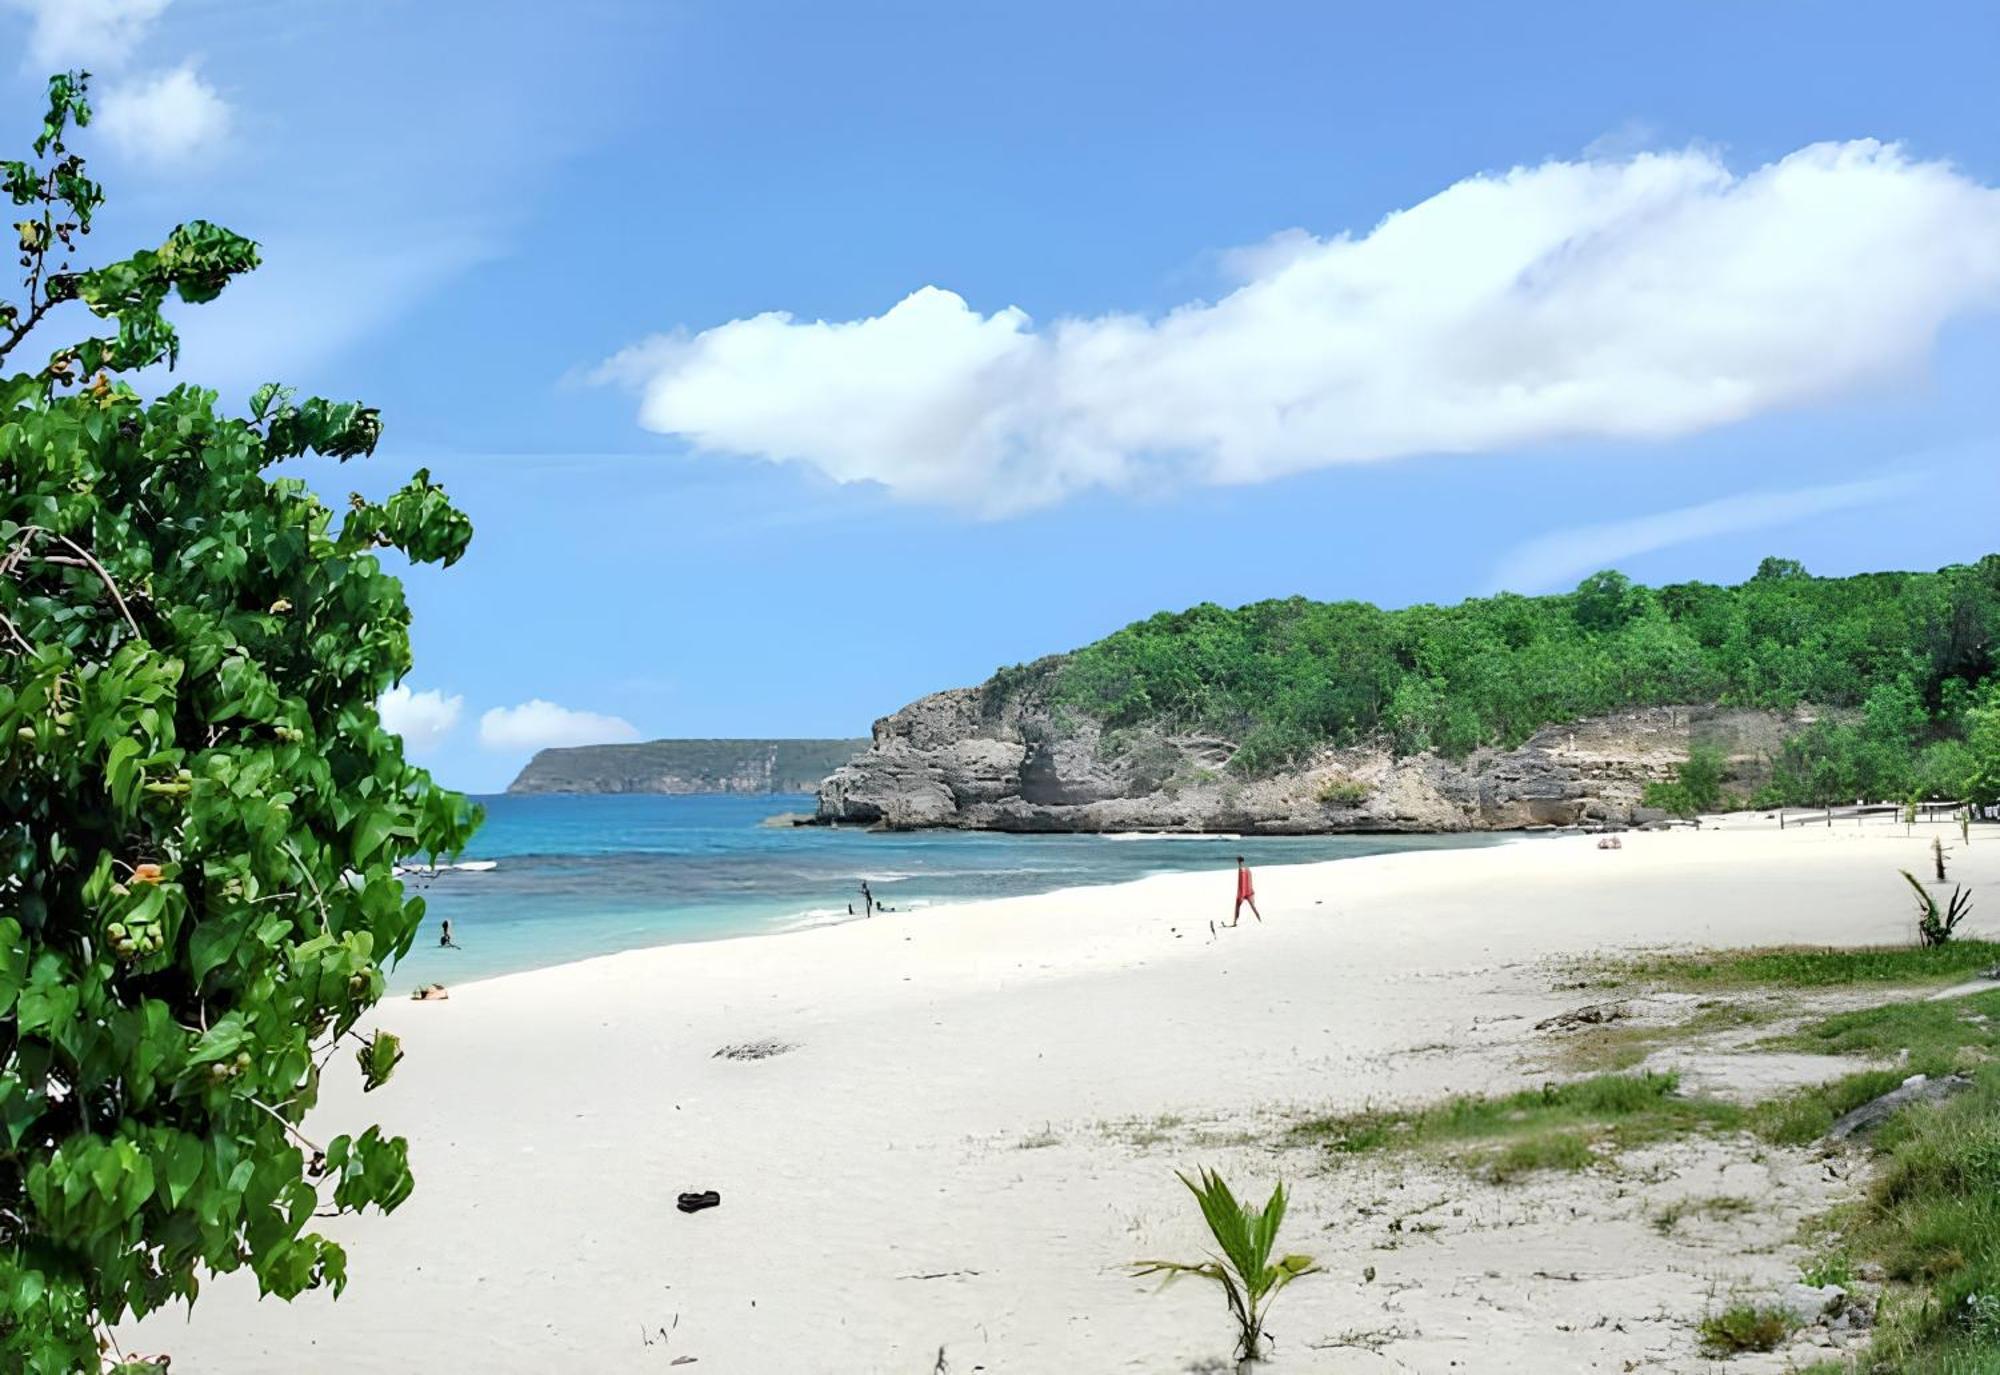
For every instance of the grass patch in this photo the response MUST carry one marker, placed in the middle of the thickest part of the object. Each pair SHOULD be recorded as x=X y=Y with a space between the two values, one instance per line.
x=1935 y=1035
x=1558 y=1126
x=1798 y=966
x=1931 y=1038
x=1621 y=1046
x=1931 y=1220
x=1834 y=1268
x=1746 y=1327
x=1803 y=1117
x=1554 y=1150
x=1722 y=1205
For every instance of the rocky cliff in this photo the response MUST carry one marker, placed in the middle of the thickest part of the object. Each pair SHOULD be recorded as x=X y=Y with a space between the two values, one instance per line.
x=1000 y=758
x=686 y=766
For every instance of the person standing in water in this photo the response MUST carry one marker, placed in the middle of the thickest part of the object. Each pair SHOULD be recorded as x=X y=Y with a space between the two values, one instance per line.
x=1246 y=891
x=444 y=939
x=867 y=900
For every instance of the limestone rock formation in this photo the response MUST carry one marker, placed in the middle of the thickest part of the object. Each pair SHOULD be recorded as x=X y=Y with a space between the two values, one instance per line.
x=999 y=757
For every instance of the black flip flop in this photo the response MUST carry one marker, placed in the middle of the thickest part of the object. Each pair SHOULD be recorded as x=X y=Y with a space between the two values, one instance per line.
x=694 y=1203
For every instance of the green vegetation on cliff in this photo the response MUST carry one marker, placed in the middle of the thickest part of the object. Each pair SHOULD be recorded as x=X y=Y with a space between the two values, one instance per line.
x=1911 y=656
x=687 y=766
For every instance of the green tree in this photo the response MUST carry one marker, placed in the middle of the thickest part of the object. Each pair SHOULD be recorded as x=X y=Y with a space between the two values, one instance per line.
x=202 y=813
x=1982 y=740
x=1607 y=600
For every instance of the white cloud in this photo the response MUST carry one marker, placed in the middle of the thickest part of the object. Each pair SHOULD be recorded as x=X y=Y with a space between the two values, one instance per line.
x=537 y=725
x=1643 y=298
x=85 y=33
x=423 y=719
x=164 y=119
x=1558 y=560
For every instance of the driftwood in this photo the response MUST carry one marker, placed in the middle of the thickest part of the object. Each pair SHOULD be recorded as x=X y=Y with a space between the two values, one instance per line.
x=1591 y=1014
x=1916 y=1089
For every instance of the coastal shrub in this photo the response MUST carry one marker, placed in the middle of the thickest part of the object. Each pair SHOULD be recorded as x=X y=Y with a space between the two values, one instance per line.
x=1343 y=792
x=1246 y=1271
x=1900 y=665
x=203 y=814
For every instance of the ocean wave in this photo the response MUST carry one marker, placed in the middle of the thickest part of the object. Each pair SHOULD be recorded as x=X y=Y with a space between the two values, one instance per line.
x=814 y=916
x=1171 y=835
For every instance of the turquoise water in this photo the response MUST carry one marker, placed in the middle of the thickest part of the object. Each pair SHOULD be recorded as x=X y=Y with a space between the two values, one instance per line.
x=573 y=877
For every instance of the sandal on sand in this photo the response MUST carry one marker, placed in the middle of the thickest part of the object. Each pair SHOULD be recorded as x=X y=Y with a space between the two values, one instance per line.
x=694 y=1203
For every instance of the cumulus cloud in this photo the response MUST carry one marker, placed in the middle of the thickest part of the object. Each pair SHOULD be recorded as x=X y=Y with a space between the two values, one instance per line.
x=85 y=33
x=166 y=119
x=1639 y=298
x=1558 y=560
x=423 y=719
x=538 y=725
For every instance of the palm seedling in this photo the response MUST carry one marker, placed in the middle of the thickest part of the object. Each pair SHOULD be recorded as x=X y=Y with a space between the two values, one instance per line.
x=1936 y=927
x=1249 y=1278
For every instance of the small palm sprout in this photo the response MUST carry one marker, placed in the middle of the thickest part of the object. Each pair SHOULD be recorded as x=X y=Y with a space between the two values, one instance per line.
x=1250 y=1279
x=1936 y=928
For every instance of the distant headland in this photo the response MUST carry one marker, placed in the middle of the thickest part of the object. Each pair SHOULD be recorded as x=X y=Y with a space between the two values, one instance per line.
x=687 y=766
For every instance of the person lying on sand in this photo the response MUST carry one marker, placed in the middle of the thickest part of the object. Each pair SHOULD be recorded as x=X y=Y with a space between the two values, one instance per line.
x=1611 y=843
x=1245 y=892
x=430 y=993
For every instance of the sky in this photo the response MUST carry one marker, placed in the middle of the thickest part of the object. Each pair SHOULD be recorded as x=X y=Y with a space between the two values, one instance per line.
x=796 y=360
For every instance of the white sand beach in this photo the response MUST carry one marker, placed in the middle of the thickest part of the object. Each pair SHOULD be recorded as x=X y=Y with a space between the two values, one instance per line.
x=976 y=1114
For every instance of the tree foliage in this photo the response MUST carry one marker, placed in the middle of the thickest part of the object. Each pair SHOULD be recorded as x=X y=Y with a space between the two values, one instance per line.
x=1906 y=652
x=202 y=813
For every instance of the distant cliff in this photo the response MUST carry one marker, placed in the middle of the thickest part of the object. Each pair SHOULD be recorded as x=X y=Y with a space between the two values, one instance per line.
x=1499 y=713
x=687 y=766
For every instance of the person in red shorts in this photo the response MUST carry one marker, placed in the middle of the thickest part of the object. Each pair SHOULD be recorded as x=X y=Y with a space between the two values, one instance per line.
x=1245 y=892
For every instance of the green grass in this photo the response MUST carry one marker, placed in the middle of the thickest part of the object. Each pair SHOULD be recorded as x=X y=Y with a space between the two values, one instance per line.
x=1936 y=1035
x=1803 y=1117
x=1746 y=1327
x=1930 y=1038
x=1809 y=966
x=1836 y=1267
x=1553 y=1150
x=1931 y=1220
x=1558 y=1126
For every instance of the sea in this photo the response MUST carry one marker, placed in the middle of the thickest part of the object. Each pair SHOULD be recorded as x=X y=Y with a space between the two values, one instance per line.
x=551 y=879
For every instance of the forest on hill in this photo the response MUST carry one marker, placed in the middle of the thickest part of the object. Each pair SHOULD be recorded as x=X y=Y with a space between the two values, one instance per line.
x=686 y=766
x=1902 y=666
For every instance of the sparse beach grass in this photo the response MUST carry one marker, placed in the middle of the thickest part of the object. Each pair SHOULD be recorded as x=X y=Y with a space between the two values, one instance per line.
x=1930 y=1038
x=1931 y=1222
x=1746 y=1327
x=1799 y=966
x=1622 y=1045
x=1934 y=1036
x=1556 y=1127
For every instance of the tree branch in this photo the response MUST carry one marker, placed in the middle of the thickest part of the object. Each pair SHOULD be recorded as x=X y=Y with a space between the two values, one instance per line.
x=84 y=559
x=290 y=1130
x=20 y=331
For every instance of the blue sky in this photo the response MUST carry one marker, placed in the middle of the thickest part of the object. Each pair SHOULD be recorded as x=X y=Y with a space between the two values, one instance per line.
x=1704 y=321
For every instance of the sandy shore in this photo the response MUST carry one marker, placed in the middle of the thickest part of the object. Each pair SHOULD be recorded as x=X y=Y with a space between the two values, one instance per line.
x=978 y=1113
